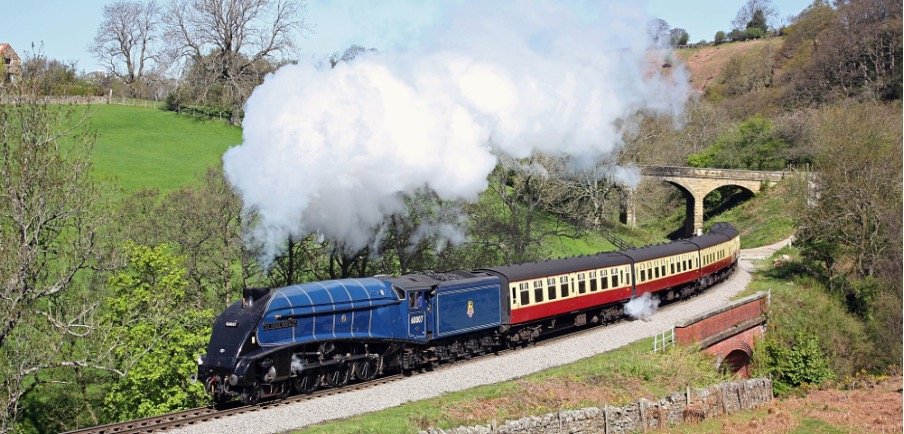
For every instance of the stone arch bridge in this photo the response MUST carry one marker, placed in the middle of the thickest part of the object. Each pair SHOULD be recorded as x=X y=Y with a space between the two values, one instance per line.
x=696 y=183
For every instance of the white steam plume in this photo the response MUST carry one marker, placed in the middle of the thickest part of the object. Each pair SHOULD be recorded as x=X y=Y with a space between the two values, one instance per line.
x=334 y=151
x=642 y=307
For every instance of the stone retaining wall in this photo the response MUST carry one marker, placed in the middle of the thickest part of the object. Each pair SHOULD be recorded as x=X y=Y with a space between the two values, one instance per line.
x=688 y=406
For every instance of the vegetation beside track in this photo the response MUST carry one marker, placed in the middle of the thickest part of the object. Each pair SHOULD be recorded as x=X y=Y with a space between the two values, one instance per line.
x=617 y=377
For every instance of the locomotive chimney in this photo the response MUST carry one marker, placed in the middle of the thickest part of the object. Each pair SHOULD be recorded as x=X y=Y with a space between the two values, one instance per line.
x=250 y=295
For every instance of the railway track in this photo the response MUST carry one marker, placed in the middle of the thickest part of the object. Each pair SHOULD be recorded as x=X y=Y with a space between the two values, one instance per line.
x=197 y=415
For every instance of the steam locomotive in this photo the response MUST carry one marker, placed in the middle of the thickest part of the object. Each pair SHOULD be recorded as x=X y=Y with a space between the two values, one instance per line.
x=296 y=339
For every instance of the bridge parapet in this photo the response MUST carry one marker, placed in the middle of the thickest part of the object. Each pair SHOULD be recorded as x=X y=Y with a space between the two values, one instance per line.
x=708 y=173
x=728 y=332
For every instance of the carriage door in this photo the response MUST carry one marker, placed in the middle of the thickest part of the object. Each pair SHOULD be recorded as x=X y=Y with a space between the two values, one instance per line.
x=417 y=314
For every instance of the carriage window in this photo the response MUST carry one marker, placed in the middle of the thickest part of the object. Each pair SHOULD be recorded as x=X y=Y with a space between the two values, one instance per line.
x=593 y=281
x=643 y=275
x=663 y=269
x=563 y=281
x=525 y=293
x=615 y=280
x=538 y=291
x=550 y=290
x=582 y=286
x=673 y=268
x=514 y=295
x=656 y=272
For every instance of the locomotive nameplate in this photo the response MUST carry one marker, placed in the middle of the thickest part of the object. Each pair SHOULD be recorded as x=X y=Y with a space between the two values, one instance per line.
x=283 y=324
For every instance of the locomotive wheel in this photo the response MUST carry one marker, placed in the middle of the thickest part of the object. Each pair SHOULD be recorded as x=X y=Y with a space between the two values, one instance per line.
x=251 y=395
x=365 y=369
x=307 y=382
x=336 y=376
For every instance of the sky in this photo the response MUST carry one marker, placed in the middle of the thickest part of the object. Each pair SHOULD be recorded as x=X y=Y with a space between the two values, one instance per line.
x=64 y=29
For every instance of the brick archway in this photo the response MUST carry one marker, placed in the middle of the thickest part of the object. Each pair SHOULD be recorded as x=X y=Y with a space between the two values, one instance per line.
x=737 y=361
x=728 y=333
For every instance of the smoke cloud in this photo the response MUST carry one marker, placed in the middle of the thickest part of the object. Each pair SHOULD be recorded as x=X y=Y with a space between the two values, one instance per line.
x=335 y=150
x=642 y=307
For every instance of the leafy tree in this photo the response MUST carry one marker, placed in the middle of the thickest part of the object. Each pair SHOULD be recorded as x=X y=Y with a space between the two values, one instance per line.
x=678 y=36
x=758 y=22
x=754 y=13
x=720 y=37
x=737 y=35
x=159 y=339
x=754 y=145
x=851 y=237
x=506 y=224
x=203 y=223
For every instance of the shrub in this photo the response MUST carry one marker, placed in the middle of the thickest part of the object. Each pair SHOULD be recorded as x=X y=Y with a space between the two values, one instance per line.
x=796 y=365
x=754 y=33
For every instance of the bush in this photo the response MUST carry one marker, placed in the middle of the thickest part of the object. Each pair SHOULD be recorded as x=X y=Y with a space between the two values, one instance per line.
x=754 y=33
x=172 y=103
x=793 y=366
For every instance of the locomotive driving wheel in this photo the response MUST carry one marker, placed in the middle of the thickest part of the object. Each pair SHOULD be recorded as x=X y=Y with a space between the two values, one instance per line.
x=307 y=382
x=365 y=369
x=336 y=375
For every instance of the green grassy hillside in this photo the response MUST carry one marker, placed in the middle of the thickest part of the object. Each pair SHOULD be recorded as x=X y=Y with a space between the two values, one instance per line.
x=149 y=148
x=766 y=218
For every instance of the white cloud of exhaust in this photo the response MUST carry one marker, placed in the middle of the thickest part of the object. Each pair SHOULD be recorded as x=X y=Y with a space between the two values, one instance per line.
x=333 y=151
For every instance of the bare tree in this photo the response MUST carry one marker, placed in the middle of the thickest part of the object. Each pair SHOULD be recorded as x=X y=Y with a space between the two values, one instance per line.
x=749 y=10
x=658 y=31
x=232 y=43
x=125 y=40
x=588 y=197
x=48 y=228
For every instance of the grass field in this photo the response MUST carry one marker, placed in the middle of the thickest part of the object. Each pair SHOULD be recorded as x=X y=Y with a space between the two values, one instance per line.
x=148 y=148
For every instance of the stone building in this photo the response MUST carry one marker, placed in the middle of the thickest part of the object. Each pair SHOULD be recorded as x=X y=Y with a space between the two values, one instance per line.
x=11 y=67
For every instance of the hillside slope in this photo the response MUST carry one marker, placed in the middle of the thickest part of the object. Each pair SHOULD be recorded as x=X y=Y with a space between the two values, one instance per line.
x=705 y=63
x=149 y=148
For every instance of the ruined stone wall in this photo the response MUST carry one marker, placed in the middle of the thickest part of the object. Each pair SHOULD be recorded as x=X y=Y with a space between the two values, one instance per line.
x=688 y=406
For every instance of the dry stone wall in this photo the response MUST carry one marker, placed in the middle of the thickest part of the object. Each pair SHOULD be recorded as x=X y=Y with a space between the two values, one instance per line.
x=692 y=405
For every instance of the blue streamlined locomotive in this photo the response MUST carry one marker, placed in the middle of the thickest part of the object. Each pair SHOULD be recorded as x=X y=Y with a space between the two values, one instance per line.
x=324 y=334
